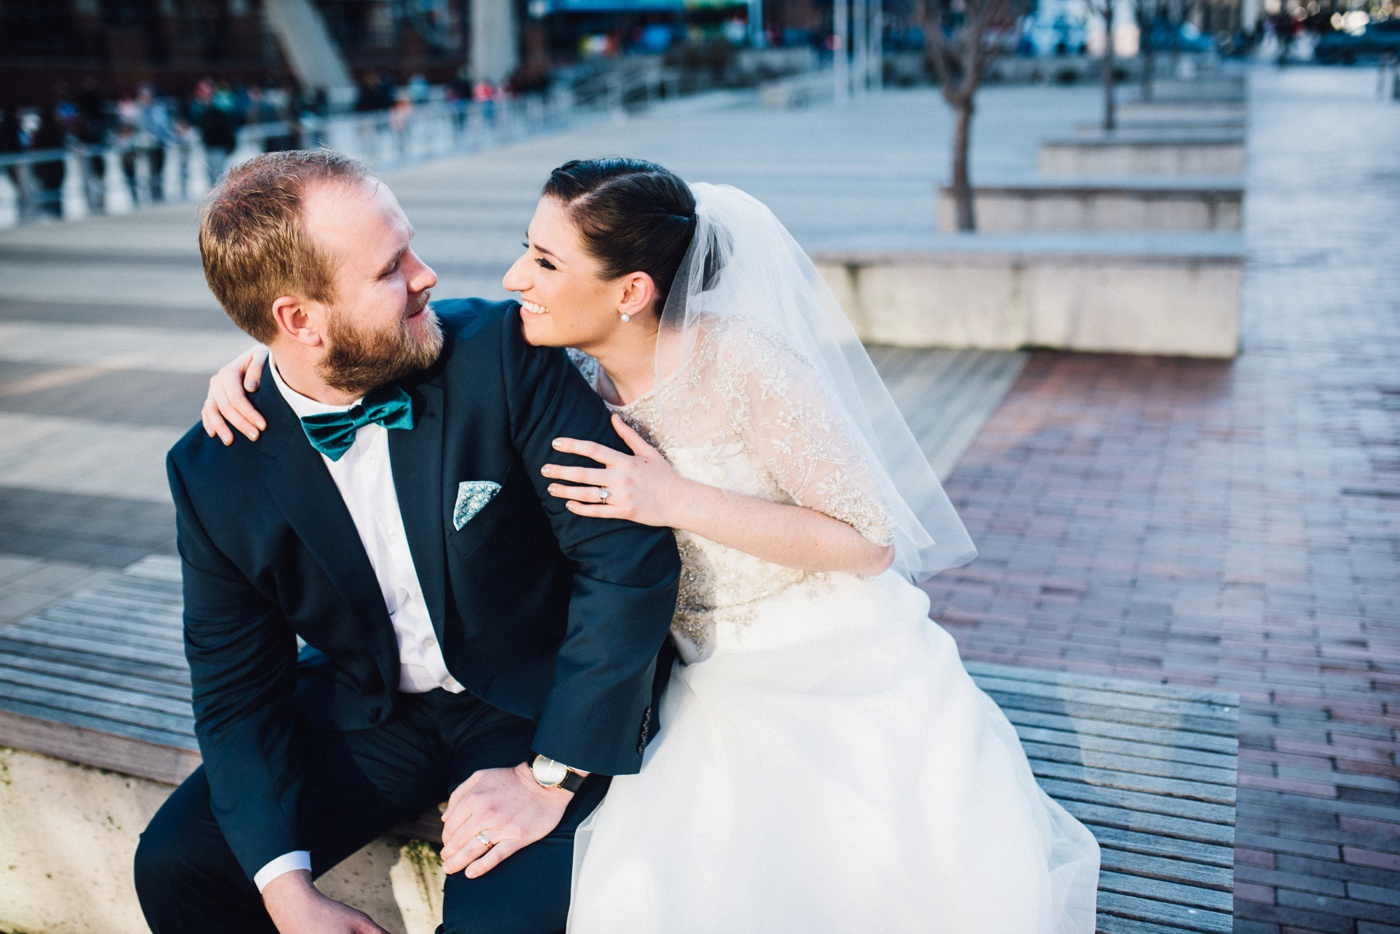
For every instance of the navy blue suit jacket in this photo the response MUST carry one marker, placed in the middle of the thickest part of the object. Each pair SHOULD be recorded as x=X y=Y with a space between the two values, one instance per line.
x=552 y=616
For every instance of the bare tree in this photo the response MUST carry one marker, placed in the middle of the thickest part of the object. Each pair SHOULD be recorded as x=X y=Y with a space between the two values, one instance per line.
x=961 y=44
x=1104 y=10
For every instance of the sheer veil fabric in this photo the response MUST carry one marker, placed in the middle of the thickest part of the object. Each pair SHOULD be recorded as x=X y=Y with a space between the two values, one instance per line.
x=743 y=264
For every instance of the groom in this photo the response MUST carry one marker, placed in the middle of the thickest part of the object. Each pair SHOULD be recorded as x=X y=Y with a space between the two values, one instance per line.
x=463 y=633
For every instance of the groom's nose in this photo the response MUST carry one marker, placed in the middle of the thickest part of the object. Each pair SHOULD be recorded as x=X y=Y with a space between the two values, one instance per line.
x=423 y=276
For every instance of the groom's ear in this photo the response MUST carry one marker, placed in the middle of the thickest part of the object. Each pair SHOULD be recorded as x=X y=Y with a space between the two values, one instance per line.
x=638 y=294
x=297 y=320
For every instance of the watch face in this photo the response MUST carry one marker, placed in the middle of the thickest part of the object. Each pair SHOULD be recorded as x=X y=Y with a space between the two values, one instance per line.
x=548 y=772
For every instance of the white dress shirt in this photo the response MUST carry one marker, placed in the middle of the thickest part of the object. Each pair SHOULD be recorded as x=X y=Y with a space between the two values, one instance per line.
x=365 y=479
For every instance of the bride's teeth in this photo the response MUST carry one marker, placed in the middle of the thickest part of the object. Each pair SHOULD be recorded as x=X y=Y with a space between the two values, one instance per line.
x=532 y=308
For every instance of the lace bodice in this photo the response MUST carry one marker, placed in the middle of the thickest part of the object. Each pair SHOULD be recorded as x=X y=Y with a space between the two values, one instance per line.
x=748 y=415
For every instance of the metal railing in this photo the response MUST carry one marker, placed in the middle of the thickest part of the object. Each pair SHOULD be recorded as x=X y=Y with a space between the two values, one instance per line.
x=82 y=181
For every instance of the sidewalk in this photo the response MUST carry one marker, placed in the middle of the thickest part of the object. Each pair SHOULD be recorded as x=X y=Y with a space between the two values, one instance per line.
x=1237 y=525
x=1231 y=524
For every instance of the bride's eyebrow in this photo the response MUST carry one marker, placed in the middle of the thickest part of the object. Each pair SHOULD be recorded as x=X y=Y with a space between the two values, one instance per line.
x=545 y=250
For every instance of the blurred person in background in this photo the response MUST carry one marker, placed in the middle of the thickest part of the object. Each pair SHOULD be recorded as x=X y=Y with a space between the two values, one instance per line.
x=51 y=135
x=91 y=125
x=12 y=142
x=217 y=127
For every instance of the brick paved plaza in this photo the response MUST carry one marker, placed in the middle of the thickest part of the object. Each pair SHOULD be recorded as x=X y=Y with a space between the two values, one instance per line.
x=1232 y=524
x=1236 y=524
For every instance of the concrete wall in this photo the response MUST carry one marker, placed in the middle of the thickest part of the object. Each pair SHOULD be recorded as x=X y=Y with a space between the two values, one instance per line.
x=1175 y=305
x=1048 y=208
x=1142 y=157
x=68 y=834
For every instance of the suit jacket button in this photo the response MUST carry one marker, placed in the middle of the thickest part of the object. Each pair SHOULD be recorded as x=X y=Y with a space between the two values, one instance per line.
x=374 y=714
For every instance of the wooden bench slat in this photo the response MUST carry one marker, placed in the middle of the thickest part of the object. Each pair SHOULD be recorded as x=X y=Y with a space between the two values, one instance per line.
x=78 y=676
x=1183 y=745
x=94 y=646
x=1213 y=697
x=87 y=624
x=1162 y=890
x=1116 y=924
x=177 y=735
x=1134 y=842
x=161 y=674
x=1176 y=789
x=1073 y=697
x=1143 y=803
x=1152 y=753
x=1183 y=918
x=1007 y=697
x=1106 y=815
x=1060 y=749
x=142 y=711
x=167 y=626
x=1167 y=869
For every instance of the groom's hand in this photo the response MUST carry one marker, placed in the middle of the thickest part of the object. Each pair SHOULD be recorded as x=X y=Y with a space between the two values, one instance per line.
x=297 y=907
x=507 y=807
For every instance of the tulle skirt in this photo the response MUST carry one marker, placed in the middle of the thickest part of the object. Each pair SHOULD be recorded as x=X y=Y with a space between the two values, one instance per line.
x=831 y=767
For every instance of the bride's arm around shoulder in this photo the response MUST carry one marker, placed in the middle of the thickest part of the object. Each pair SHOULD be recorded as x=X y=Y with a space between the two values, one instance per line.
x=776 y=407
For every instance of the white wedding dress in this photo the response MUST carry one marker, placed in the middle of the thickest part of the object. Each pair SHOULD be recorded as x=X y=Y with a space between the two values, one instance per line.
x=825 y=764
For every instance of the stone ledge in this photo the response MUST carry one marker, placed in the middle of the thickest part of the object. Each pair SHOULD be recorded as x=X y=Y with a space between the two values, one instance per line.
x=1172 y=204
x=1171 y=295
x=1144 y=155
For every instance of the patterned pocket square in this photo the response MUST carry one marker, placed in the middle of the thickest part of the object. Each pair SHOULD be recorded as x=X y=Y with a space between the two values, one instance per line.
x=472 y=497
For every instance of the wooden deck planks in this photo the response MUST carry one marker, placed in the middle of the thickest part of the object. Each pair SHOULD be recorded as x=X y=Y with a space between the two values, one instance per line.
x=101 y=679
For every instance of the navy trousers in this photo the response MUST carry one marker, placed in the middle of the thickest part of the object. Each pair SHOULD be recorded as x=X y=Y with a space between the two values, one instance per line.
x=366 y=782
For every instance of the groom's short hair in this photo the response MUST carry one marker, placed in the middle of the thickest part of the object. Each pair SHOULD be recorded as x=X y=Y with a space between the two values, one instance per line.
x=253 y=239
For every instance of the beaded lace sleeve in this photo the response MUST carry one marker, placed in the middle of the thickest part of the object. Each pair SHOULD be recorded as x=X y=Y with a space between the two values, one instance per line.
x=776 y=401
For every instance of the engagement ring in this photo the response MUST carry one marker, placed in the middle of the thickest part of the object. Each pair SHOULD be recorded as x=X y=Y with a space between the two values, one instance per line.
x=603 y=494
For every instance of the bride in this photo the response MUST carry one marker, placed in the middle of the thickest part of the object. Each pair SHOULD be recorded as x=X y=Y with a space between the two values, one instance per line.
x=824 y=762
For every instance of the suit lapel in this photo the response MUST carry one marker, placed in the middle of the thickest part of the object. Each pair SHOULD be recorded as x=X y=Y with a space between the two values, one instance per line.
x=302 y=488
x=416 y=457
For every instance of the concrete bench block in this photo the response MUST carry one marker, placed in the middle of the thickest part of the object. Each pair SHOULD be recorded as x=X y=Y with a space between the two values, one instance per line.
x=1181 y=303
x=69 y=835
x=1215 y=88
x=1147 y=125
x=1180 y=110
x=1198 y=155
x=1046 y=206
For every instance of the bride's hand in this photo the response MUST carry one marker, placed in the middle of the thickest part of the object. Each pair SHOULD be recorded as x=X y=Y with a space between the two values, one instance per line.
x=227 y=403
x=641 y=487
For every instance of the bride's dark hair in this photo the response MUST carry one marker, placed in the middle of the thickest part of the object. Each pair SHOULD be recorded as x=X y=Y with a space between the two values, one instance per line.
x=633 y=215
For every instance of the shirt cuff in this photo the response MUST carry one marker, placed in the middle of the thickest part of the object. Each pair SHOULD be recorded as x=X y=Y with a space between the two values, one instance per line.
x=287 y=862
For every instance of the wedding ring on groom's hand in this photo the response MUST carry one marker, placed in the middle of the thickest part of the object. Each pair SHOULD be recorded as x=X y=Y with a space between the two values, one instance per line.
x=603 y=494
x=484 y=840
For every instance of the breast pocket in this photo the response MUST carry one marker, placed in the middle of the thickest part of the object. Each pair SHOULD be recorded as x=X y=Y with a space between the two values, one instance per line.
x=479 y=511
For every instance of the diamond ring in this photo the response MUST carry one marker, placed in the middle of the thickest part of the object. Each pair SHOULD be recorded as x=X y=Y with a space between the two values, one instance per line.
x=603 y=494
x=484 y=840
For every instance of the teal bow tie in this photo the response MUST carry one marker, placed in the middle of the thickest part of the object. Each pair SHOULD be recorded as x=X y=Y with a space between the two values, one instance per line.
x=332 y=433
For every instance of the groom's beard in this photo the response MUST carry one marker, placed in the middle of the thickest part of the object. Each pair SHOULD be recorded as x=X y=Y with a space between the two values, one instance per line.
x=358 y=360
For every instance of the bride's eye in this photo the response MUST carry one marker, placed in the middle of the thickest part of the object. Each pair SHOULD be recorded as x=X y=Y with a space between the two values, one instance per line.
x=543 y=263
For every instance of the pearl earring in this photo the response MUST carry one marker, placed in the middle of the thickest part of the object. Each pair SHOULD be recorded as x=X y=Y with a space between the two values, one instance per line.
x=626 y=317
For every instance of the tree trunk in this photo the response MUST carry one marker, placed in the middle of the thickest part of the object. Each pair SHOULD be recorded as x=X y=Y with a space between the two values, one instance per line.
x=962 y=183
x=1110 y=116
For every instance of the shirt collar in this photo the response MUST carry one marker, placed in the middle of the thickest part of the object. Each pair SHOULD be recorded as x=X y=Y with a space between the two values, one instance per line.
x=304 y=405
